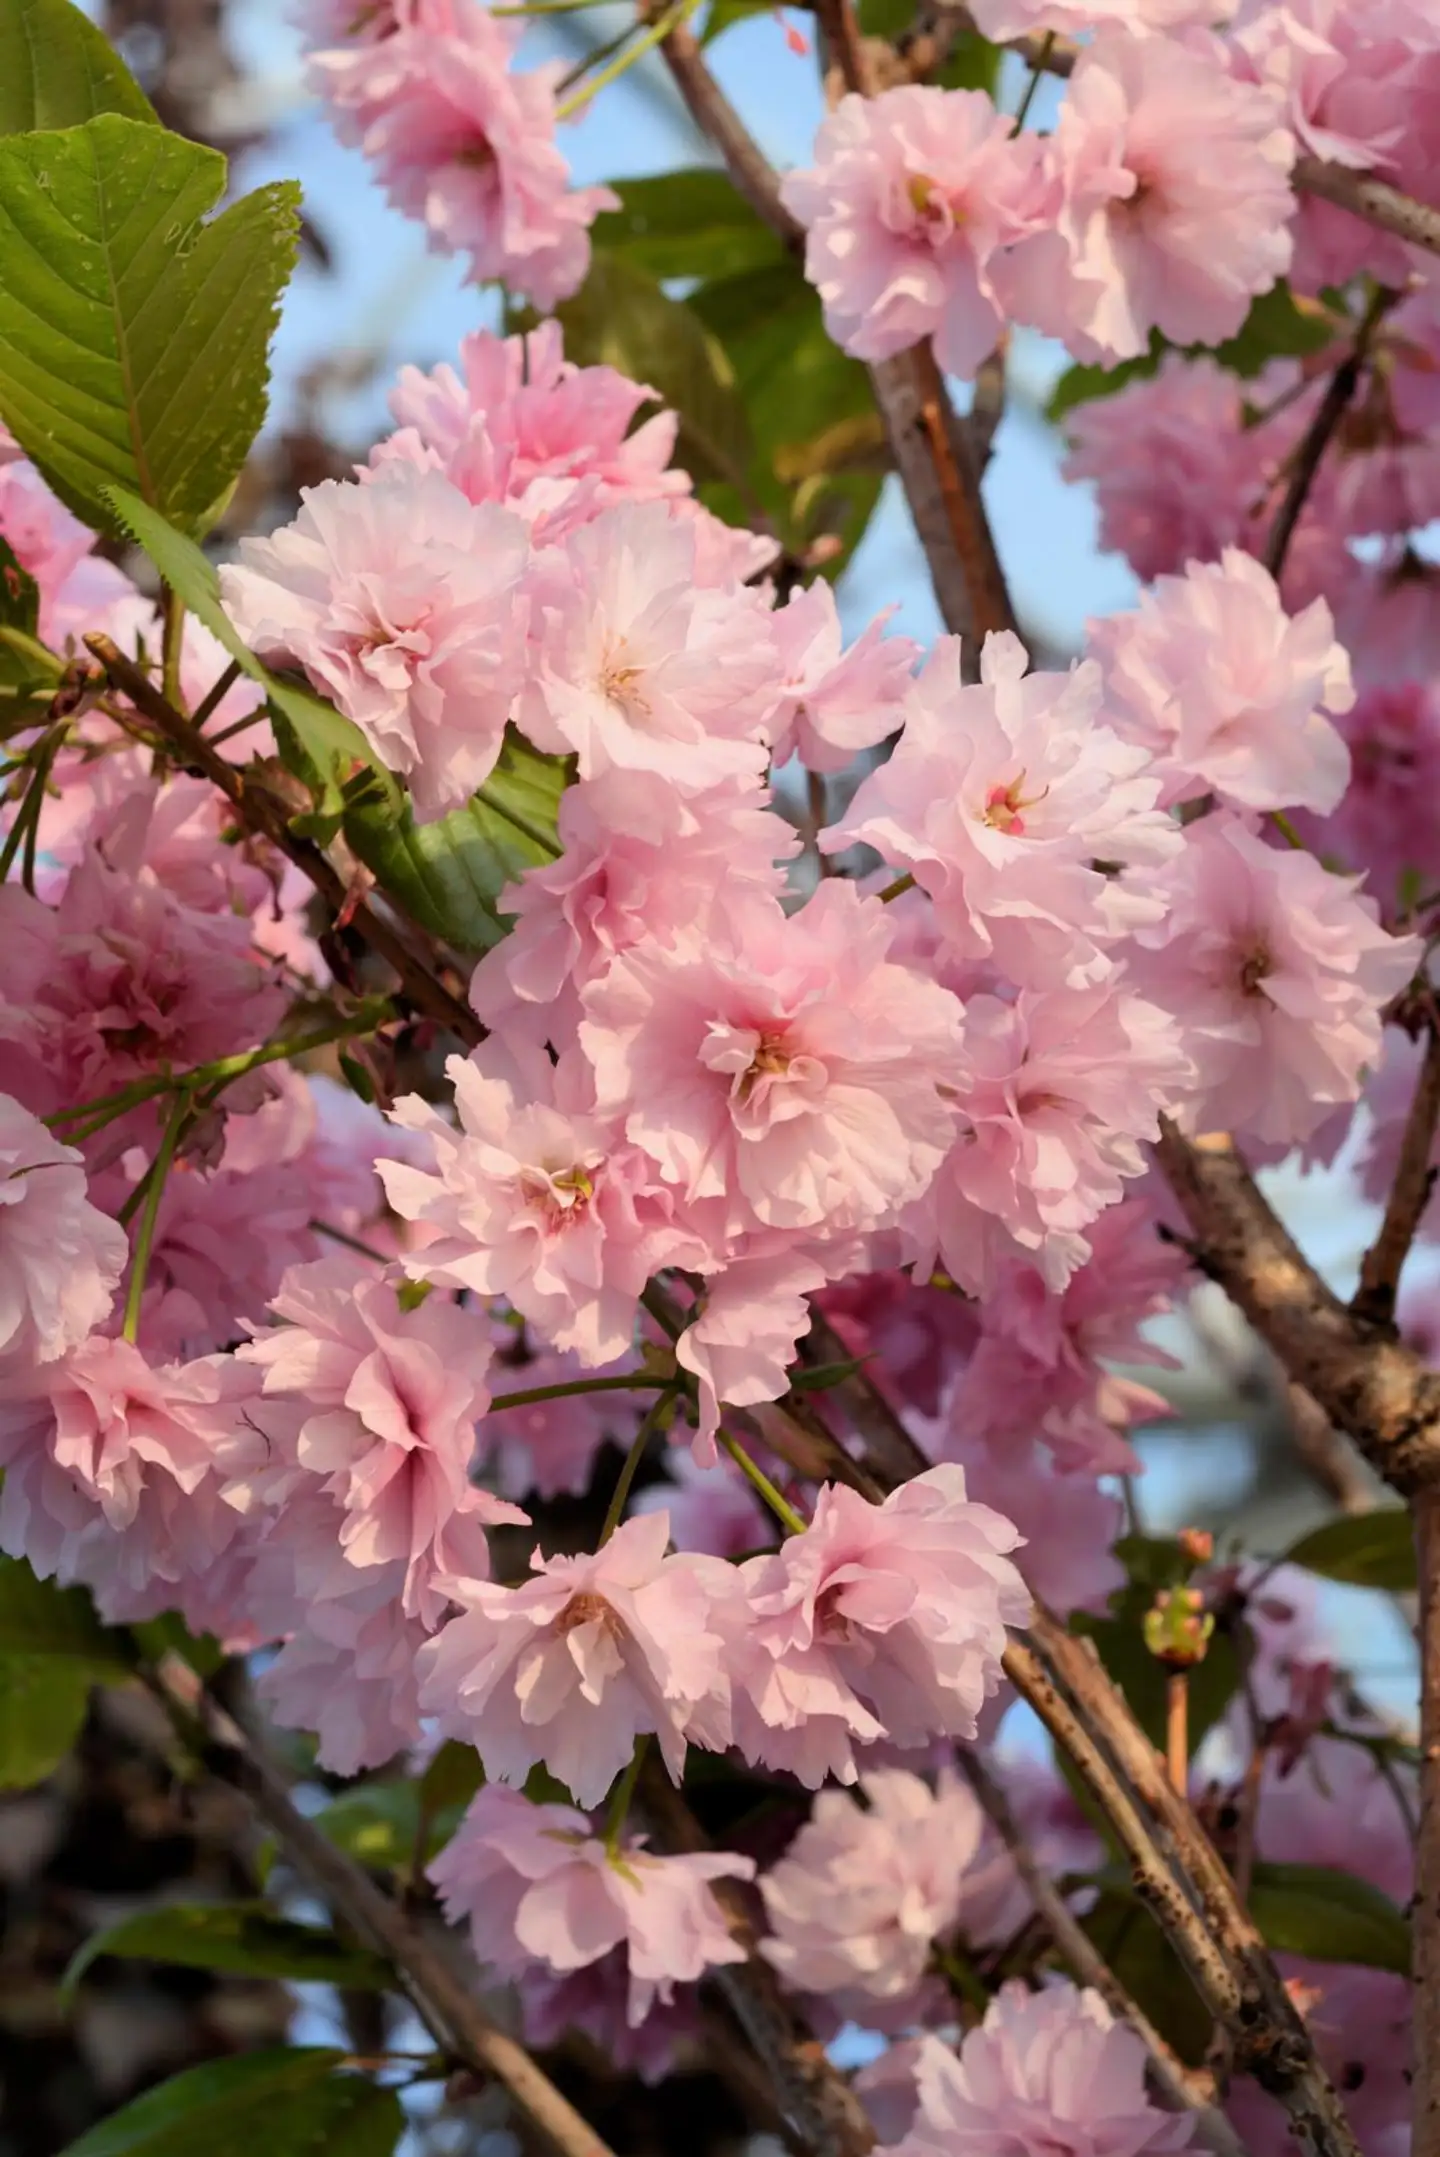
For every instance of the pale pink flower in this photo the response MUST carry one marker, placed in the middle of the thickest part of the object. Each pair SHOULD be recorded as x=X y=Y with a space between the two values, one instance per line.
x=913 y=196
x=549 y=1446
x=836 y=702
x=1000 y=798
x=348 y=1671
x=113 y=1470
x=712 y=1510
x=1337 y=1807
x=1229 y=693
x=401 y=601
x=522 y=425
x=45 y=539
x=119 y=982
x=862 y=1897
x=1047 y=2074
x=878 y=1621
x=1002 y=20
x=1279 y=974
x=639 y=668
x=537 y=1885
x=595 y=2003
x=1388 y=822
x=60 y=1258
x=1040 y=1368
x=388 y=1401
x=536 y=1198
x=1068 y=1524
x=572 y=1666
x=742 y=1343
x=466 y=144
x=640 y=862
x=1056 y=1093
x=780 y=1064
x=1177 y=201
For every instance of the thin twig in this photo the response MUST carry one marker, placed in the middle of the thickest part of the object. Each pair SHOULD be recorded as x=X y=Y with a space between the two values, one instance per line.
x=1177 y=1729
x=1425 y=1910
x=754 y=176
x=456 y=2021
x=1318 y=435
x=259 y=810
x=1383 y=1263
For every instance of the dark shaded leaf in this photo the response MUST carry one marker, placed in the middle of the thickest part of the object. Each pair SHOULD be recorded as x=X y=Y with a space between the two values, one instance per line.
x=43 y=1701
x=1370 y=1550
x=1333 y=1916
x=1278 y=326
x=245 y=1938
x=37 y=1618
x=289 y=2102
x=685 y=224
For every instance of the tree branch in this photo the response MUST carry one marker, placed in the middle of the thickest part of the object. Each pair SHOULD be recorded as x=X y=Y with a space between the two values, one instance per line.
x=754 y=176
x=1425 y=1913
x=259 y=810
x=1410 y=1193
x=456 y=2021
x=1318 y=435
x=1369 y=1384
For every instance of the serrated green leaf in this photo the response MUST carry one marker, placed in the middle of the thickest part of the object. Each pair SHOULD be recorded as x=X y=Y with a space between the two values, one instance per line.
x=244 y=1938
x=1333 y=1916
x=37 y=1618
x=58 y=70
x=448 y=875
x=324 y=747
x=134 y=335
x=621 y=318
x=692 y=223
x=1370 y=1550
x=43 y=1701
x=289 y=2101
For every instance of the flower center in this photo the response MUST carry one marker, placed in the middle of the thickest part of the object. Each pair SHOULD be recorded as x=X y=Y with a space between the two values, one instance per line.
x=561 y=1195
x=588 y=1608
x=1254 y=968
x=934 y=210
x=620 y=679
x=1005 y=806
x=771 y=1060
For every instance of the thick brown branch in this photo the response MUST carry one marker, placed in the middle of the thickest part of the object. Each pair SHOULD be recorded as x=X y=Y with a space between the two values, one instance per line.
x=1371 y=1386
x=1187 y=2089
x=456 y=2021
x=1425 y=1915
x=1373 y=200
x=1409 y=1194
x=259 y=810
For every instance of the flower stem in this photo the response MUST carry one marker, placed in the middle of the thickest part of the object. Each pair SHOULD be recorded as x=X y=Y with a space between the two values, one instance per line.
x=1177 y=1730
x=897 y=890
x=620 y=1796
x=793 y=1523
x=1042 y=61
x=653 y=34
x=145 y=1234
x=652 y=1421
x=627 y=1384
x=171 y=641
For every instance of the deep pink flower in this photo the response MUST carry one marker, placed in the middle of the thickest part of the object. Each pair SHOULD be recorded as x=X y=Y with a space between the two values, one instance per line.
x=1230 y=694
x=537 y=1885
x=638 y=666
x=879 y=1621
x=1047 y=2074
x=400 y=600
x=1177 y=201
x=1279 y=974
x=60 y=1258
x=466 y=144
x=836 y=702
x=571 y=1667
x=780 y=1064
x=1000 y=798
x=912 y=197
x=861 y=1897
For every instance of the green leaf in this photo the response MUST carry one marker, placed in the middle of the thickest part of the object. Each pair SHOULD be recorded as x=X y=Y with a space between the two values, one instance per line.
x=245 y=1938
x=169 y=1635
x=1147 y=1966
x=1370 y=1550
x=724 y=12
x=43 y=1703
x=134 y=335
x=448 y=875
x=452 y=1777
x=1278 y=326
x=1153 y=1561
x=621 y=318
x=58 y=70
x=39 y=1619
x=692 y=223
x=23 y=683
x=322 y=746
x=1330 y=1915
x=290 y=2102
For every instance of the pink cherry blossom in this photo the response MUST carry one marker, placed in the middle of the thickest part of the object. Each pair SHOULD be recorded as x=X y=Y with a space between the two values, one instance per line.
x=572 y=1666
x=538 y=1886
x=1001 y=20
x=1278 y=972
x=878 y=1621
x=1047 y=2074
x=389 y=1400
x=999 y=799
x=45 y=539
x=1177 y=201
x=1067 y=1522
x=779 y=1063
x=119 y=982
x=1055 y=1093
x=742 y=1343
x=861 y=1898
x=1387 y=822
x=713 y=1510
x=595 y=2003
x=400 y=601
x=538 y=1199
x=550 y=1446
x=1229 y=693
x=913 y=196
x=60 y=1258
x=836 y=702
x=347 y=1670
x=637 y=667
x=466 y=144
